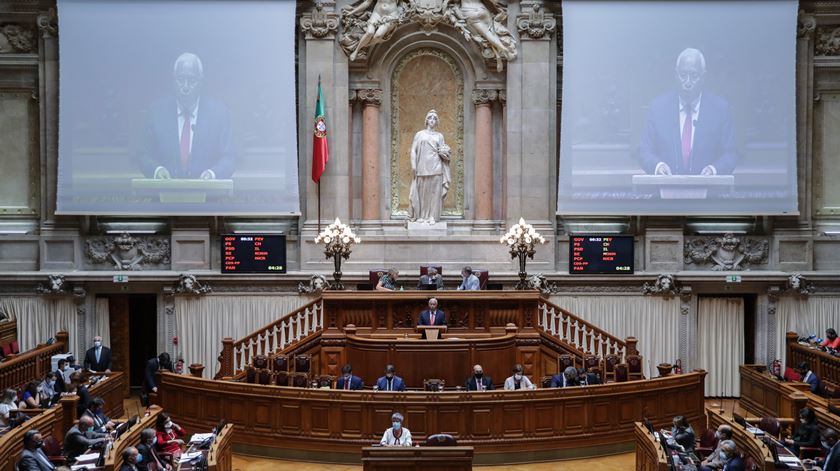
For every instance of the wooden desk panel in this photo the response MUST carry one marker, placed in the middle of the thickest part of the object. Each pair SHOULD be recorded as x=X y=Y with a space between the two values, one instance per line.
x=11 y=444
x=649 y=453
x=131 y=437
x=492 y=422
x=423 y=458
x=763 y=395
x=220 y=456
x=747 y=443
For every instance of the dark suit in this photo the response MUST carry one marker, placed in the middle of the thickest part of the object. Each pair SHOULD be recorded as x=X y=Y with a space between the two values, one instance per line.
x=397 y=384
x=84 y=400
x=149 y=456
x=128 y=467
x=714 y=136
x=355 y=383
x=99 y=419
x=814 y=381
x=104 y=362
x=486 y=381
x=212 y=146
x=34 y=461
x=152 y=367
x=832 y=460
x=60 y=386
x=426 y=317
x=77 y=442
x=734 y=464
x=560 y=381
x=807 y=435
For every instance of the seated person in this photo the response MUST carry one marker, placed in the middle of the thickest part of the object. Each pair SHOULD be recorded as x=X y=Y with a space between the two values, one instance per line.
x=714 y=461
x=808 y=433
x=831 y=462
x=590 y=377
x=30 y=399
x=469 y=282
x=479 y=382
x=347 y=381
x=432 y=315
x=47 y=395
x=130 y=457
x=7 y=404
x=147 y=450
x=79 y=386
x=388 y=281
x=179 y=367
x=397 y=435
x=831 y=341
x=730 y=456
x=96 y=411
x=33 y=458
x=390 y=382
x=81 y=437
x=170 y=436
x=568 y=378
x=682 y=435
x=432 y=277
x=808 y=376
x=518 y=380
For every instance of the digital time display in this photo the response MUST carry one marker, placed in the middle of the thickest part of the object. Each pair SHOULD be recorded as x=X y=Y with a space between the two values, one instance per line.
x=253 y=253
x=600 y=254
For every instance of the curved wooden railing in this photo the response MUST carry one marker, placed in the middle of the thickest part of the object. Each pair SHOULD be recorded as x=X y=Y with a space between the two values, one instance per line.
x=33 y=364
x=219 y=457
x=131 y=437
x=587 y=338
x=283 y=333
x=48 y=422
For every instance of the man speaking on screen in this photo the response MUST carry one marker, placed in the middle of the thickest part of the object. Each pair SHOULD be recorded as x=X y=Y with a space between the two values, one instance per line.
x=689 y=131
x=187 y=136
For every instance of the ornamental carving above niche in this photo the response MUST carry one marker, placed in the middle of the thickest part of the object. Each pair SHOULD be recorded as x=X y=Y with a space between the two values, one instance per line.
x=17 y=39
x=726 y=252
x=827 y=41
x=482 y=22
x=127 y=252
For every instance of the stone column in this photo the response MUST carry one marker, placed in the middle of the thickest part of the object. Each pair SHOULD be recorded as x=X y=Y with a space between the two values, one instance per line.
x=483 y=177
x=371 y=99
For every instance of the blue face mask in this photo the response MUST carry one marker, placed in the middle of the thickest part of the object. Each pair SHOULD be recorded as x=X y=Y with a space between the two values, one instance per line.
x=722 y=456
x=139 y=459
x=397 y=425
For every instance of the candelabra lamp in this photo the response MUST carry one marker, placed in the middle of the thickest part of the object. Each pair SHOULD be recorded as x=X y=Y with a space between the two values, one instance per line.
x=521 y=240
x=338 y=240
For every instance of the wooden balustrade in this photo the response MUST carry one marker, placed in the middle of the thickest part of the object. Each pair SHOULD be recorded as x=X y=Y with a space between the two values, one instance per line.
x=220 y=456
x=8 y=332
x=283 y=333
x=32 y=365
x=650 y=456
x=824 y=365
x=48 y=422
x=764 y=395
x=587 y=338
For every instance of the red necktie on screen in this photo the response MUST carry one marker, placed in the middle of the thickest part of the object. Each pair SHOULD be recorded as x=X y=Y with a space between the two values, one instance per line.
x=185 y=140
x=686 y=135
x=432 y=320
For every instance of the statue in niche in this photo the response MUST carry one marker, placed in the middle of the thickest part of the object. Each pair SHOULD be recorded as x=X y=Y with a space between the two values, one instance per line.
x=483 y=21
x=379 y=25
x=430 y=173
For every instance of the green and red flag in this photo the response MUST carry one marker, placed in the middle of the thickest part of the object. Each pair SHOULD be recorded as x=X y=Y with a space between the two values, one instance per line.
x=320 y=149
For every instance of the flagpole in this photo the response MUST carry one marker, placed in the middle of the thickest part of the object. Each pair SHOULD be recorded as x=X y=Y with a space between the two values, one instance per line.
x=319 y=178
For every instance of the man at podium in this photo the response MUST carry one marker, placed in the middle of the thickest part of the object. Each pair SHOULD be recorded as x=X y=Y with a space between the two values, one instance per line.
x=433 y=315
x=688 y=131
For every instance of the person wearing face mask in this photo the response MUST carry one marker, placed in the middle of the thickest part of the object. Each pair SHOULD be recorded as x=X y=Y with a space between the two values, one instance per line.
x=96 y=411
x=808 y=433
x=131 y=459
x=831 y=462
x=170 y=436
x=713 y=461
x=568 y=378
x=33 y=458
x=689 y=131
x=149 y=459
x=479 y=382
x=682 y=435
x=347 y=381
x=98 y=357
x=81 y=437
x=47 y=394
x=390 y=382
x=60 y=382
x=397 y=435
x=730 y=457
x=7 y=404
x=518 y=380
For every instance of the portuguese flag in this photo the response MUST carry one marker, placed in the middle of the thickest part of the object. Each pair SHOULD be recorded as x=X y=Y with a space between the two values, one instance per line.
x=320 y=149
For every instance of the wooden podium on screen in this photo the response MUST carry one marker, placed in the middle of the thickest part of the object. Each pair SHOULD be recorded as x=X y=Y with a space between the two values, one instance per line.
x=426 y=458
x=683 y=187
x=433 y=332
x=181 y=190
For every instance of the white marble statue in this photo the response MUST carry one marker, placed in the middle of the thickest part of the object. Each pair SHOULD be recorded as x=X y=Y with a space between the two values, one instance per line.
x=379 y=26
x=430 y=171
x=483 y=21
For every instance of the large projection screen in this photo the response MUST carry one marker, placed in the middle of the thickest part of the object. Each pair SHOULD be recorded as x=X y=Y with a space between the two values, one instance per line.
x=633 y=71
x=177 y=107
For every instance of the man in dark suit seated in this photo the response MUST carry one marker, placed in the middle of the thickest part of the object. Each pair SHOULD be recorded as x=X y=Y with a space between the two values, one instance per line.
x=82 y=437
x=146 y=449
x=689 y=131
x=129 y=456
x=809 y=376
x=98 y=357
x=347 y=381
x=479 y=382
x=568 y=378
x=731 y=458
x=96 y=411
x=832 y=457
x=33 y=458
x=432 y=277
x=390 y=382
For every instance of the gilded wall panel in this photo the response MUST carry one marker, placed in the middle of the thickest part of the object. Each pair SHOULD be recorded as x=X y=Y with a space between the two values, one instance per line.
x=426 y=79
x=18 y=158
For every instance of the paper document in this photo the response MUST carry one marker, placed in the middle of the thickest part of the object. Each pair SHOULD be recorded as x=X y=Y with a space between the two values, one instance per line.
x=87 y=457
x=789 y=459
x=200 y=437
x=189 y=456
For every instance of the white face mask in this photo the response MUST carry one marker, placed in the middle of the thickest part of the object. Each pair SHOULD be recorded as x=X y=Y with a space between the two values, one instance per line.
x=517 y=377
x=97 y=344
x=167 y=425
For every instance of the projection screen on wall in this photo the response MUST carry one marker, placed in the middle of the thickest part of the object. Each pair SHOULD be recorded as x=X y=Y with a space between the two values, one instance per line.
x=633 y=71
x=177 y=107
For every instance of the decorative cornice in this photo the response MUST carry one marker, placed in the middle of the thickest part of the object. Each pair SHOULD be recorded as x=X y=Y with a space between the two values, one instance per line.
x=536 y=24
x=370 y=96
x=665 y=285
x=318 y=23
x=127 y=252
x=484 y=96
x=19 y=39
x=726 y=252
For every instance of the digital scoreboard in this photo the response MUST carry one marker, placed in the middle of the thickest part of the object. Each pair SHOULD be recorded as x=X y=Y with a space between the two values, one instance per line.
x=600 y=254
x=253 y=253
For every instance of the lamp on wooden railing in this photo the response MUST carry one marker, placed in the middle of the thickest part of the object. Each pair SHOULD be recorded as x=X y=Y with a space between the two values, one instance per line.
x=338 y=239
x=521 y=239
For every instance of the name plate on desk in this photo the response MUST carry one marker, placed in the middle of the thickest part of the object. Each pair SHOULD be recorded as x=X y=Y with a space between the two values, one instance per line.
x=432 y=331
x=181 y=190
x=683 y=187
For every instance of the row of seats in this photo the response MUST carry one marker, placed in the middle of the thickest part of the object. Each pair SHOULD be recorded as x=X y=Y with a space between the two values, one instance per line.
x=610 y=365
x=11 y=348
x=482 y=274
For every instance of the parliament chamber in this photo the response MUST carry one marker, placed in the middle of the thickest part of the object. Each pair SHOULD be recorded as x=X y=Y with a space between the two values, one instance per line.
x=419 y=234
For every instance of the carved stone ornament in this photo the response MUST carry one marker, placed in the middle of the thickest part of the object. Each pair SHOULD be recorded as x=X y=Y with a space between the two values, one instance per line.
x=189 y=284
x=55 y=285
x=17 y=39
x=483 y=96
x=369 y=22
x=540 y=282
x=797 y=284
x=370 y=96
x=827 y=41
x=48 y=24
x=317 y=283
x=127 y=252
x=726 y=252
x=319 y=23
x=535 y=24
x=664 y=285
x=806 y=25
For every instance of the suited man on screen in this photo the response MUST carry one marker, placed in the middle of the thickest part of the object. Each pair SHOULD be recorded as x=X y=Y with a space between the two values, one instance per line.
x=188 y=136
x=689 y=131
